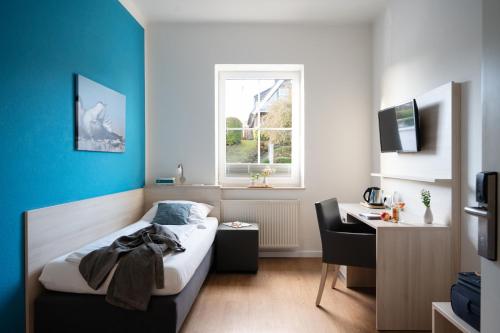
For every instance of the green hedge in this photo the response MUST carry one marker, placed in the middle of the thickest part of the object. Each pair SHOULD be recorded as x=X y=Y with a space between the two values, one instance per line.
x=233 y=137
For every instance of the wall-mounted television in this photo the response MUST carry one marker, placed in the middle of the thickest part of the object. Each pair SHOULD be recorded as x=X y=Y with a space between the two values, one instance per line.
x=399 y=128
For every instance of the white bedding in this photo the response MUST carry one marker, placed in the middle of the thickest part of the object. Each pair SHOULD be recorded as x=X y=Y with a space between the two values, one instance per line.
x=61 y=274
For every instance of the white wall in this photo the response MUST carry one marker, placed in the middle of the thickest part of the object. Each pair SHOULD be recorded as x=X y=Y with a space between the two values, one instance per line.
x=418 y=46
x=337 y=65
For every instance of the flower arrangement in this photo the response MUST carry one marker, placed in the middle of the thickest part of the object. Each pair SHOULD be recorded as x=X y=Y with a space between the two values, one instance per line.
x=267 y=172
x=264 y=174
x=426 y=197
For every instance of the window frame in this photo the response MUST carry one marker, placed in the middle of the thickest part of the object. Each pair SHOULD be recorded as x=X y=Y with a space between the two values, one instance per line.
x=295 y=73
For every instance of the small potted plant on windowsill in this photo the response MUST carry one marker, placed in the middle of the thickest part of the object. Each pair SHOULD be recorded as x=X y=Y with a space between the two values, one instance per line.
x=426 y=200
x=262 y=175
x=255 y=179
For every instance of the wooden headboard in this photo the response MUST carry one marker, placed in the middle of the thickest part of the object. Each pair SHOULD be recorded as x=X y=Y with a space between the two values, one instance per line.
x=53 y=231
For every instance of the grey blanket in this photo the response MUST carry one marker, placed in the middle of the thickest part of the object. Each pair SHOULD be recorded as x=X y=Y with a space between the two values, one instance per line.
x=140 y=257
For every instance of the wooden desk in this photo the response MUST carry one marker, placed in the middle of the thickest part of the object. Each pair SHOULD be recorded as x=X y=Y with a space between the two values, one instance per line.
x=414 y=269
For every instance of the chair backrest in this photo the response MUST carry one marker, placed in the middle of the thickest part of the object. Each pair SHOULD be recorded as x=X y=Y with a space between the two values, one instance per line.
x=328 y=214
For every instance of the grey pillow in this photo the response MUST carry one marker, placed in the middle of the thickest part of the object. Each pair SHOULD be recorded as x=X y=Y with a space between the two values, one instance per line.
x=172 y=214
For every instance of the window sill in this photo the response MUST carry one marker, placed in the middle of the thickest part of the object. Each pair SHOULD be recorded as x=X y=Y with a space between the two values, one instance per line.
x=222 y=187
x=295 y=188
x=190 y=186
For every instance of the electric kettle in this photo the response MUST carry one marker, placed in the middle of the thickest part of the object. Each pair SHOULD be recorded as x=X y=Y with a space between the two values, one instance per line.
x=374 y=196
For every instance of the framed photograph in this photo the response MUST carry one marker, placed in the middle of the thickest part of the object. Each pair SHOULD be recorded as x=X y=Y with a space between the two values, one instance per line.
x=100 y=117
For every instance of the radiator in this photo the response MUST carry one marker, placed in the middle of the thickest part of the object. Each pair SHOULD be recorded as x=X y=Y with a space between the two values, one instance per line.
x=277 y=219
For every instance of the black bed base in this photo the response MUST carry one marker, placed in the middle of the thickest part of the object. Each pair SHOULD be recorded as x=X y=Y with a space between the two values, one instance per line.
x=82 y=313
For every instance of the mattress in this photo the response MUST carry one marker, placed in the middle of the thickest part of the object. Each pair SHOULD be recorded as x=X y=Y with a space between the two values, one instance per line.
x=62 y=274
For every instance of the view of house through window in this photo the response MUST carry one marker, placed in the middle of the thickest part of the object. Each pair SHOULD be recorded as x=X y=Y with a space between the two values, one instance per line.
x=259 y=115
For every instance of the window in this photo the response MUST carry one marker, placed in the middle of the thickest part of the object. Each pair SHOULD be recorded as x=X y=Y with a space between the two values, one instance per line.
x=259 y=123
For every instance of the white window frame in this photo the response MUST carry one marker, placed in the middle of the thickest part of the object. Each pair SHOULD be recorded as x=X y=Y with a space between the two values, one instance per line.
x=291 y=72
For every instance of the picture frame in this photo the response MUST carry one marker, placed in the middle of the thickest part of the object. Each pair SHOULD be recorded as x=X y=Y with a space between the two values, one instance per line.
x=100 y=117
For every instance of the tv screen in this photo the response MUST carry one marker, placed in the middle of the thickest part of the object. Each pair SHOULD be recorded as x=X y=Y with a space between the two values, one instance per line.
x=399 y=128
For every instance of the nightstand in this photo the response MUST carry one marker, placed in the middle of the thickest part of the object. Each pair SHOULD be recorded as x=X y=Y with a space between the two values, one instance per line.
x=237 y=249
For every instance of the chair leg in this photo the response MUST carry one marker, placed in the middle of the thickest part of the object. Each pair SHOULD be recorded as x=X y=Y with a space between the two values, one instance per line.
x=324 y=270
x=336 y=269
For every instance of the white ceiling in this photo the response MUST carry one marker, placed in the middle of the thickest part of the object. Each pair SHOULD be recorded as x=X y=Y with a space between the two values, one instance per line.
x=296 y=11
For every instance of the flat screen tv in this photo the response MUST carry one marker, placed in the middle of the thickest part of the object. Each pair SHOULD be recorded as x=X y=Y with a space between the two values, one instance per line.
x=399 y=128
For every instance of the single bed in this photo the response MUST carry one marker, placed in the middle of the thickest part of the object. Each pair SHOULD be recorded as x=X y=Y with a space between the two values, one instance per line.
x=58 y=298
x=62 y=274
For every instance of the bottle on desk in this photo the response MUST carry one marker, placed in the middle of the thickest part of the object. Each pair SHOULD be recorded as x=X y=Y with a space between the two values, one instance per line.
x=395 y=213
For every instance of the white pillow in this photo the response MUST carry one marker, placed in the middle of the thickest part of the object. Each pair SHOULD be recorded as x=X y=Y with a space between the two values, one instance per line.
x=197 y=213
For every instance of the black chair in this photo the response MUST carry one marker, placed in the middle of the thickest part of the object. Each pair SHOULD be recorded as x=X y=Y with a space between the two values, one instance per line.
x=350 y=244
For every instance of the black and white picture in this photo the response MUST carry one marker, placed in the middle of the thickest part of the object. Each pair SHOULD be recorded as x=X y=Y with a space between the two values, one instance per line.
x=100 y=117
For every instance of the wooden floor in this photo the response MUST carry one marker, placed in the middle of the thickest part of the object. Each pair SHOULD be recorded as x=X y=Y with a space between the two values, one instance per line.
x=280 y=298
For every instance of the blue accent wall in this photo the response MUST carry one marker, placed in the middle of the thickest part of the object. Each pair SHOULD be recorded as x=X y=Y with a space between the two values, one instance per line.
x=42 y=45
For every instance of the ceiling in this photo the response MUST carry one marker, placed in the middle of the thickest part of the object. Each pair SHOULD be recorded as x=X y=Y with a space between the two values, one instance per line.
x=292 y=11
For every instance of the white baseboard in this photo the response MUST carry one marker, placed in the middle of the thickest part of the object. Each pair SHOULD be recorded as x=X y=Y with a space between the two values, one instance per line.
x=290 y=254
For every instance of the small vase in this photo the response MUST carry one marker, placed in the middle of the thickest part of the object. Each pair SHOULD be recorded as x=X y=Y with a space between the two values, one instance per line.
x=428 y=216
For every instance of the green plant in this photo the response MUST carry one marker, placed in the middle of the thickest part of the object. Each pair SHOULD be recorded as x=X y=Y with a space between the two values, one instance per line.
x=244 y=152
x=233 y=122
x=283 y=160
x=426 y=197
x=233 y=137
x=279 y=115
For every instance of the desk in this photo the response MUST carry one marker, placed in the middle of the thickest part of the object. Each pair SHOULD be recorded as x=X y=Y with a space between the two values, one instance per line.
x=414 y=269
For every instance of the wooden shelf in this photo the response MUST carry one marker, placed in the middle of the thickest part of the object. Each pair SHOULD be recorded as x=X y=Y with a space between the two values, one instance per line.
x=445 y=320
x=412 y=178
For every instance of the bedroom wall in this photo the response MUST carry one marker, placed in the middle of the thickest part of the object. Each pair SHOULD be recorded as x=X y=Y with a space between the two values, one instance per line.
x=337 y=65
x=44 y=43
x=418 y=46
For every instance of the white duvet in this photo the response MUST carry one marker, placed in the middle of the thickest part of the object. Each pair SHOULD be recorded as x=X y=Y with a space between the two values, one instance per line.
x=62 y=274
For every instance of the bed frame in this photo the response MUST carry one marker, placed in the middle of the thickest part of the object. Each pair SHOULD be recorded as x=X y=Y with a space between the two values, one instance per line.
x=53 y=231
x=57 y=312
